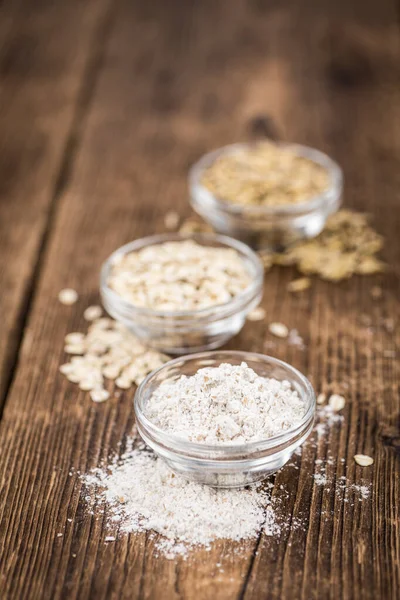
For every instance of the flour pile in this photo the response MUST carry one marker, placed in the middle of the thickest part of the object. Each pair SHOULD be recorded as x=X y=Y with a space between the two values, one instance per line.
x=145 y=495
x=225 y=404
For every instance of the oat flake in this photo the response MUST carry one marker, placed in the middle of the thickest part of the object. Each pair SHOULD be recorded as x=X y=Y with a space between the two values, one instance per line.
x=99 y=395
x=299 y=285
x=363 y=460
x=257 y=314
x=337 y=402
x=68 y=296
x=108 y=350
x=346 y=246
x=278 y=330
x=92 y=313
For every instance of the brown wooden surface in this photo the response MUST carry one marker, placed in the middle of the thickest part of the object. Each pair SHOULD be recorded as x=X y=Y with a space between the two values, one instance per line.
x=48 y=60
x=104 y=105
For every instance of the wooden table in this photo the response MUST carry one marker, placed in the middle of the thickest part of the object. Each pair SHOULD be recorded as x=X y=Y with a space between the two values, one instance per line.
x=104 y=105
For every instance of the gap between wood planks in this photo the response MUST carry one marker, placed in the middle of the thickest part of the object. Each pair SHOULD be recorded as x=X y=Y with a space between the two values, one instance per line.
x=81 y=110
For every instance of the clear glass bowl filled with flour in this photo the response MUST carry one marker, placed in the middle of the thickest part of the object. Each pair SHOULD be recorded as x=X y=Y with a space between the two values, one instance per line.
x=182 y=293
x=266 y=194
x=225 y=418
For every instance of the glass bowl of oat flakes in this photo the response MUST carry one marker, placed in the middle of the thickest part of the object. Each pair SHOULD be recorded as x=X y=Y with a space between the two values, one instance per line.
x=182 y=293
x=266 y=194
x=225 y=418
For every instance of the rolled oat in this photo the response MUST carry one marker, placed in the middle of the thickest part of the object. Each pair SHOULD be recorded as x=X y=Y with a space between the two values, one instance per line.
x=346 y=246
x=68 y=296
x=266 y=174
x=337 y=402
x=179 y=276
x=108 y=350
x=257 y=314
x=278 y=330
x=363 y=460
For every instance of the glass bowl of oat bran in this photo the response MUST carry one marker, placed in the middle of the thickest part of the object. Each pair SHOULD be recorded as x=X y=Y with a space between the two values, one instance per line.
x=182 y=293
x=267 y=194
x=225 y=465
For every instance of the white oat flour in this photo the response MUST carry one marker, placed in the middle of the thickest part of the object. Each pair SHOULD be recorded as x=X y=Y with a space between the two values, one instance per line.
x=145 y=495
x=225 y=404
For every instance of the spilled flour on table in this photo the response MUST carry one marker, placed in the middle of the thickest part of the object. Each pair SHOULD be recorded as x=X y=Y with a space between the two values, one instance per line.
x=143 y=494
x=326 y=471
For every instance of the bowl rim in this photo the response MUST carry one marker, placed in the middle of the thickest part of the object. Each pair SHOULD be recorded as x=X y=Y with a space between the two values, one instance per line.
x=229 y=450
x=241 y=299
x=285 y=210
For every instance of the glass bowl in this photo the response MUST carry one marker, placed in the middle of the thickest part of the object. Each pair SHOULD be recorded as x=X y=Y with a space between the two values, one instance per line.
x=224 y=465
x=267 y=227
x=181 y=332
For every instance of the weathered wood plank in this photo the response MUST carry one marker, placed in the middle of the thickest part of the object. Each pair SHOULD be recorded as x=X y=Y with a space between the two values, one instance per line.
x=343 y=76
x=178 y=80
x=48 y=53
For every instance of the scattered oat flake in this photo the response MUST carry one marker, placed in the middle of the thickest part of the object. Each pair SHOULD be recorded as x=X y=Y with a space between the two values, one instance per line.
x=363 y=460
x=74 y=349
x=257 y=314
x=346 y=246
x=337 y=402
x=111 y=371
x=100 y=395
x=109 y=538
x=171 y=220
x=87 y=384
x=59 y=534
x=74 y=338
x=92 y=313
x=109 y=350
x=321 y=398
x=368 y=265
x=278 y=330
x=68 y=296
x=122 y=383
x=73 y=377
x=299 y=285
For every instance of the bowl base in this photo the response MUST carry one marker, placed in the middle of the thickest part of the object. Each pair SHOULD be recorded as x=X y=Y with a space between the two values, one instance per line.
x=230 y=478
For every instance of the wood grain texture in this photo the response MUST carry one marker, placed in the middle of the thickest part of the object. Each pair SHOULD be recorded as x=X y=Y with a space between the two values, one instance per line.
x=176 y=80
x=48 y=58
